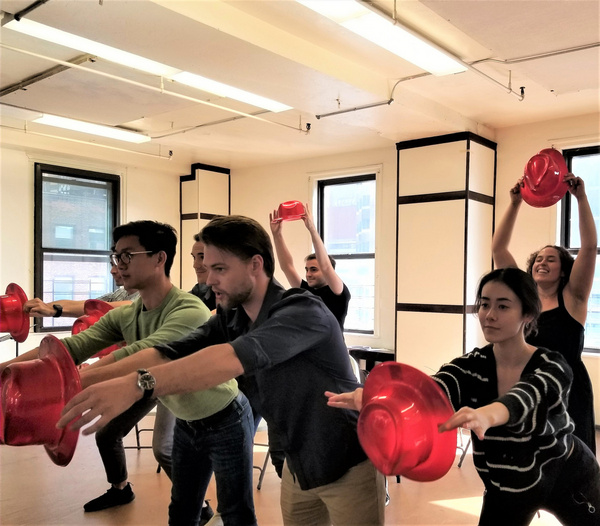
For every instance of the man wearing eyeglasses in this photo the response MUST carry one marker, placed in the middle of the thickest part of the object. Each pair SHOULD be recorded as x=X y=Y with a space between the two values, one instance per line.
x=144 y=254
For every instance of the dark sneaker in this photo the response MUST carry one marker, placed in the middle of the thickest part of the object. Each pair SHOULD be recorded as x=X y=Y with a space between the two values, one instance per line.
x=113 y=497
x=206 y=514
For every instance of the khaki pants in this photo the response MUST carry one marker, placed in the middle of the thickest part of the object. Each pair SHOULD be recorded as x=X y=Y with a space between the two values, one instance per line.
x=356 y=499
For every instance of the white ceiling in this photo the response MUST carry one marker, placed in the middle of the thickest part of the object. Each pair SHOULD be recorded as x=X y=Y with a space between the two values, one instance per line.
x=282 y=50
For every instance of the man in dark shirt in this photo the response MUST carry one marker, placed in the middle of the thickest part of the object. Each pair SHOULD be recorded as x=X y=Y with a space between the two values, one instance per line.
x=321 y=277
x=201 y=289
x=290 y=350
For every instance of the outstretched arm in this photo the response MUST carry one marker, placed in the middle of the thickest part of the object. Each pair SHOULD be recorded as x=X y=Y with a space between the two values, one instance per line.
x=502 y=257
x=579 y=287
x=38 y=309
x=351 y=400
x=286 y=261
x=204 y=369
x=477 y=420
x=331 y=277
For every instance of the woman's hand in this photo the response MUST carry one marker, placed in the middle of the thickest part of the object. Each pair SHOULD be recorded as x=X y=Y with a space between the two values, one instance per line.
x=515 y=193
x=351 y=400
x=477 y=420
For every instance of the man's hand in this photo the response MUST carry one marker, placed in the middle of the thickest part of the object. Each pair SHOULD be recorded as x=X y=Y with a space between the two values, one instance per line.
x=576 y=185
x=37 y=308
x=351 y=400
x=308 y=219
x=105 y=400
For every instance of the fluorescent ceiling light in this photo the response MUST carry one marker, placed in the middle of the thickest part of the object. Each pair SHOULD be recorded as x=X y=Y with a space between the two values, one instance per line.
x=402 y=42
x=93 y=129
x=223 y=90
x=56 y=36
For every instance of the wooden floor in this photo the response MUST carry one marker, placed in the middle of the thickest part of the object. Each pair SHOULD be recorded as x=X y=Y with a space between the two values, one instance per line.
x=33 y=491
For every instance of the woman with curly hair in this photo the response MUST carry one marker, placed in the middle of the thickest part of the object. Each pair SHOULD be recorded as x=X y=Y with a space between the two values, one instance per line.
x=564 y=286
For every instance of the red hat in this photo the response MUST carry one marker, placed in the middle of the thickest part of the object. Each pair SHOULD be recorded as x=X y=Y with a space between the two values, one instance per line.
x=12 y=317
x=543 y=180
x=398 y=424
x=34 y=393
x=291 y=210
x=94 y=310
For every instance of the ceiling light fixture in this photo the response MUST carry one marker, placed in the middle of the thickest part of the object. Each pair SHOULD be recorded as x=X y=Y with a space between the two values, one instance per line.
x=93 y=129
x=401 y=41
x=56 y=36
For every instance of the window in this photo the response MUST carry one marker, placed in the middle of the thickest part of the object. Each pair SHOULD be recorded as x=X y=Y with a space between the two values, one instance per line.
x=75 y=213
x=585 y=163
x=346 y=217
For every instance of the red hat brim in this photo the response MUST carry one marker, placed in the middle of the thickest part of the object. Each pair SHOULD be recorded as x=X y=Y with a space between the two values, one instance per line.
x=398 y=424
x=17 y=320
x=34 y=394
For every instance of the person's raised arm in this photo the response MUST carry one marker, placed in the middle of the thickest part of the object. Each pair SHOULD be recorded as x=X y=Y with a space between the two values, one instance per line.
x=502 y=257
x=579 y=287
x=331 y=277
x=204 y=369
x=286 y=261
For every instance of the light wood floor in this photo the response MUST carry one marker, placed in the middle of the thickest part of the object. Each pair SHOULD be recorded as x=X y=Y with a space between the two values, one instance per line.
x=33 y=491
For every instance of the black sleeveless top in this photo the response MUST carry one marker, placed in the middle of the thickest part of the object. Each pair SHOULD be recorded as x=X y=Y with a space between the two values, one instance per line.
x=560 y=332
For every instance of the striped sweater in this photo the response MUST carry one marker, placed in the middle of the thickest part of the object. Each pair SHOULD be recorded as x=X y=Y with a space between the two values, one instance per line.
x=515 y=456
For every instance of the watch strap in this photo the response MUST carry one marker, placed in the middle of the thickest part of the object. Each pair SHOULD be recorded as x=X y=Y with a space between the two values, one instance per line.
x=148 y=392
x=58 y=310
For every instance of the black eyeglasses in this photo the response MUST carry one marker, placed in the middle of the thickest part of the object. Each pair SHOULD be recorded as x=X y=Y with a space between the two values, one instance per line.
x=125 y=257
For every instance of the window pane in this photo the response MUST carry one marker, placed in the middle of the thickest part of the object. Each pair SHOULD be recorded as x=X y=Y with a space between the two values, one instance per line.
x=359 y=277
x=587 y=167
x=74 y=277
x=76 y=213
x=592 y=322
x=349 y=212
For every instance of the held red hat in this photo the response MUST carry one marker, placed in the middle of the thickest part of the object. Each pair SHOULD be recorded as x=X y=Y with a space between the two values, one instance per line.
x=543 y=179
x=34 y=393
x=291 y=211
x=94 y=310
x=12 y=317
x=398 y=424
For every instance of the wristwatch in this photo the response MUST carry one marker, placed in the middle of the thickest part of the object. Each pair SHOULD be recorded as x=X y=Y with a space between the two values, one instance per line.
x=146 y=383
x=58 y=308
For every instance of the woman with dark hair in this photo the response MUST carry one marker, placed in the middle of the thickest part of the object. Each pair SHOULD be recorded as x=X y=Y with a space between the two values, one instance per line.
x=513 y=398
x=564 y=285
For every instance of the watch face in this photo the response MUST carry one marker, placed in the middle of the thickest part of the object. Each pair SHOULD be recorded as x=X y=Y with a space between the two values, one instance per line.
x=146 y=381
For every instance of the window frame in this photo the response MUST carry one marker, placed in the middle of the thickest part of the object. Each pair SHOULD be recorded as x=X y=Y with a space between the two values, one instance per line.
x=567 y=208
x=41 y=170
x=368 y=174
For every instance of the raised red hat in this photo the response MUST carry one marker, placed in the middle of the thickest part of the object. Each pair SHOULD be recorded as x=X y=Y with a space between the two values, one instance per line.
x=34 y=393
x=398 y=424
x=291 y=211
x=94 y=310
x=543 y=179
x=12 y=317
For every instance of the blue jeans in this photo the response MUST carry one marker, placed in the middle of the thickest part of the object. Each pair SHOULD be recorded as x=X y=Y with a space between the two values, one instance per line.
x=221 y=443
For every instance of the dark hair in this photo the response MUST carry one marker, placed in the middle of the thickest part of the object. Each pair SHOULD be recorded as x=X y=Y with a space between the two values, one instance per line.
x=524 y=287
x=314 y=256
x=153 y=236
x=197 y=238
x=566 y=263
x=242 y=236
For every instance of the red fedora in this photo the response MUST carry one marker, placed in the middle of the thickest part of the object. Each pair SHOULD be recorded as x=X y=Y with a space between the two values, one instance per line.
x=12 y=317
x=290 y=211
x=33 y=395
x=94 y=310
x=398 y=424
x=543 y=179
